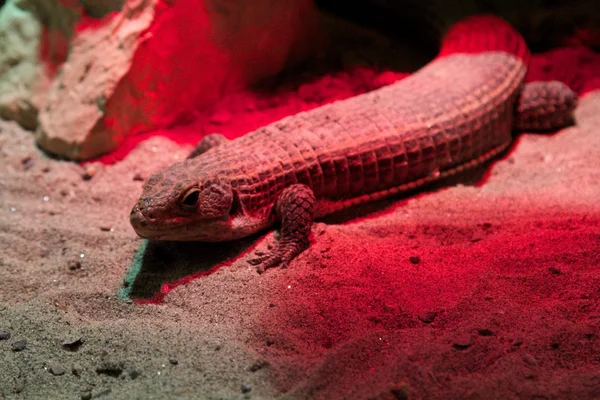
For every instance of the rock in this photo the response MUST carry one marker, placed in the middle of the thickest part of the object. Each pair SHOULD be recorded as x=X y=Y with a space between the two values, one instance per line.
x=87 y=395
x=554 y=271
x=56 y=369
x=173 y=361
x=428 y=317
x=414 y=259
x=113 y=93
x=72 y=344
x=88 y=172
x=103 y=393
x=138 y=177
x=258 y=366
x=246 y=388
x=114 y=369
x=485 y=332
x=23 y=78
x=19 y=384
x=27 y=163
x=4 y=335
x=463 y=341
x=19 y=345
x=76 y=370
x=401 y=391
x=529 y=359
x=74 y=265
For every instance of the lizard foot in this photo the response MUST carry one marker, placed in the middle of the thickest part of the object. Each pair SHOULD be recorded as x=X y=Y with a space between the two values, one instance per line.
x=281 y=256
x=207 y=143
x=295 y=207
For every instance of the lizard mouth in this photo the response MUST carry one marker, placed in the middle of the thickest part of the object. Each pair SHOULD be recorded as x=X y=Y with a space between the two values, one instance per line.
x=178 y=228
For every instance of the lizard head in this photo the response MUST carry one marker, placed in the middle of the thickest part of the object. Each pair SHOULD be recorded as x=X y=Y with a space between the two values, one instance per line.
x=175 y=206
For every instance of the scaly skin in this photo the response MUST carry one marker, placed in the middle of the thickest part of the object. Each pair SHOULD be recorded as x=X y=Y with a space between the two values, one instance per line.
x=456 y=112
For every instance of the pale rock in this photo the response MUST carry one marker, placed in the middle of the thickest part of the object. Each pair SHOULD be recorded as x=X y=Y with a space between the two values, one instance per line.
x=23 y=80
x=155 y=62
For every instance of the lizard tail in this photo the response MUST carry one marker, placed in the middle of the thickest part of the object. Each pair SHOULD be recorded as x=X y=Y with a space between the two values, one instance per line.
x=482 y=33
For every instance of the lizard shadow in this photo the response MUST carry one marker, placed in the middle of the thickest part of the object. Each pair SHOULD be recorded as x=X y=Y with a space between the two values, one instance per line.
x=162 y=265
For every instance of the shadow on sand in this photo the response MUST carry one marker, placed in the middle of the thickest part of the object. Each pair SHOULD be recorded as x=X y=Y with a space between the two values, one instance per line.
x=160 y=265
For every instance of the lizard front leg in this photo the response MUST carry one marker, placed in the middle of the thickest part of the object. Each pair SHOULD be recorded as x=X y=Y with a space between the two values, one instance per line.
x=207 y=143
x=295 y=208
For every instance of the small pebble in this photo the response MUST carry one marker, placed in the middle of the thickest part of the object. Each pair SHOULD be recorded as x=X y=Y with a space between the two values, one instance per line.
x=74 y=265
x=27 y=163
x=401 y=391
x=76 y=370
x=258 y=366
x=19 y=384
x=56 y=369
x=428 y=317
x=134 y=374
x=86 y=395
x=590 y=332
x=529 y=375
x=246 y=388
x=414 y=259
x=110 y=369
x=463 y=341
x=88 y=173
x=138 y=177
x=103 y=393
x=173 y=361
x=72 y=344
x=105 y=228
x=485 y=332
x=19 y=345
x=554 y=271
x=4 y=335
x=529 y=359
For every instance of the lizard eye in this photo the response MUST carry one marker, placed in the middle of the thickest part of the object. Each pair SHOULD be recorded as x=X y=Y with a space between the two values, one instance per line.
x=191 y=198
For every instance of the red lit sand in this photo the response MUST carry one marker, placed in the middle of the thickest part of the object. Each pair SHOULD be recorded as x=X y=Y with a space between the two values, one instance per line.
x=486 y=287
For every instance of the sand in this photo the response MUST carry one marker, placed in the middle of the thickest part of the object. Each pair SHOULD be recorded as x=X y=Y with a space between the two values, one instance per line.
x=483 y=287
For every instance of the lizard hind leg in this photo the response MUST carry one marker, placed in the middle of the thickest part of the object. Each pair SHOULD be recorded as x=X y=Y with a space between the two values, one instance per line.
x=207 y=143
x=295 y=208
x=545 y=106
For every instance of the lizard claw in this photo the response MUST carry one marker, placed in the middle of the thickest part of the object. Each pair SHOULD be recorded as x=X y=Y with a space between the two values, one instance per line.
x=266 y=262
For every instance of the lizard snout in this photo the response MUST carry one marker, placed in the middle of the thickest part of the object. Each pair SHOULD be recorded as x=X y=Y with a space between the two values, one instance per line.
x=136 y=218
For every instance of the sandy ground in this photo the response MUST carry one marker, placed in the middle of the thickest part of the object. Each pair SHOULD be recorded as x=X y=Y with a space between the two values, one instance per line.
x=500 y=300
x=484 y=287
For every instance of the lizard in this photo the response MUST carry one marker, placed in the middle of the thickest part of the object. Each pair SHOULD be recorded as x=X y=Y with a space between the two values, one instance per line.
x=456 y=112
